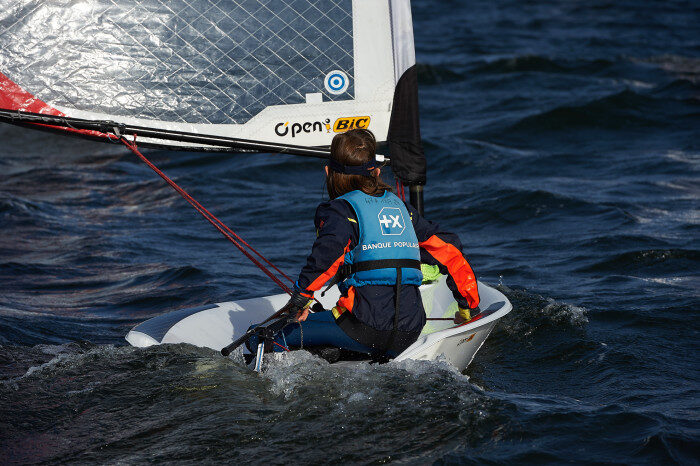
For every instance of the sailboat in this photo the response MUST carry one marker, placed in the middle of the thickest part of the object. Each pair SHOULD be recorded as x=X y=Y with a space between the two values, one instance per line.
x=254 y=76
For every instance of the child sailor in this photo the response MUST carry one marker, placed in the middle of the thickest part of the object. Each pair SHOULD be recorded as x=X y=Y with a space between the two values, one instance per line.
x=371 y=244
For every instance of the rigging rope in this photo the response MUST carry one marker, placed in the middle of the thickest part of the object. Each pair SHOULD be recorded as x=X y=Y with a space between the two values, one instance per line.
x=399 y=189
x=283 y=347
x=218 y=224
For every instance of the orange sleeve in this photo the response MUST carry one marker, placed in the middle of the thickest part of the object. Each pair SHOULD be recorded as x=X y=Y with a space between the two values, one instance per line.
x=329 y=273
x=335 y=235
x=457 y=267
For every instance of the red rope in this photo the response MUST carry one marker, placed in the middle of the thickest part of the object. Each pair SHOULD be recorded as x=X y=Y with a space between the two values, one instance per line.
x=283 y=347
x=218 y=224
x=399 y=190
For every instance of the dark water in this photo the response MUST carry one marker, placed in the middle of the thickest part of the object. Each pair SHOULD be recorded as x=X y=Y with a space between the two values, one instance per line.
x=564 y=147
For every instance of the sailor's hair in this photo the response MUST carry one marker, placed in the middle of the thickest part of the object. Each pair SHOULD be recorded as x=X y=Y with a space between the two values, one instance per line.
x=352 y=164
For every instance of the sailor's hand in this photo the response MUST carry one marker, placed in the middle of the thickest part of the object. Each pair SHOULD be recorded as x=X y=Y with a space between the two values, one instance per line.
x=462 y=316
x=302 y=315
x=296 y=301
x=298 y=305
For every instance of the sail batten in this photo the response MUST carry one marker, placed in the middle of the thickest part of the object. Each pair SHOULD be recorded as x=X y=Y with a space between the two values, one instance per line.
x=286 y=73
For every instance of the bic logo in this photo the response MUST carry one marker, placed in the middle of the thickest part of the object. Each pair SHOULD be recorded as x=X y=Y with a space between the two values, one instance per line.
x=347 y=123
x=391 y=221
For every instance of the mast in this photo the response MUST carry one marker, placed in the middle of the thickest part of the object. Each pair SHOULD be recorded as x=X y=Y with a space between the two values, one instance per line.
x=403 y=138
x=416 y=197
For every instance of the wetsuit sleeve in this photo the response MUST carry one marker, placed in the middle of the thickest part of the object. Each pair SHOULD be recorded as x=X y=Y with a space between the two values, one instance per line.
x=444 y=249
x=337 y=233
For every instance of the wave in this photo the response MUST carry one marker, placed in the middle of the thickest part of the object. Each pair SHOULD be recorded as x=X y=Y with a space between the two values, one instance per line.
x=657 y=260
x=682 y=89
x=58 y=278
x=686 y=68
x=16 y=208
x=534 y=313
x=618 y=111
x=506 y=206
x=536 y=63
x=148 y=395
x=625 y=110
x=436 y=74
x=74 y=303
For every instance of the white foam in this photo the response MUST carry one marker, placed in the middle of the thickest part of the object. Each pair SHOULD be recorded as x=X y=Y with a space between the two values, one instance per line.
x=349 y=382
x=559 y=312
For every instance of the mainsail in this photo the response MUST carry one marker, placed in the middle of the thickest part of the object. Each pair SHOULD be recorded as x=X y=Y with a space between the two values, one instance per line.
x=212 y=75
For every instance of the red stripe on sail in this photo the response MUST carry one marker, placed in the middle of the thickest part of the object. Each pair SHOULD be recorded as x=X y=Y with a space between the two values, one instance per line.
x=13 y=97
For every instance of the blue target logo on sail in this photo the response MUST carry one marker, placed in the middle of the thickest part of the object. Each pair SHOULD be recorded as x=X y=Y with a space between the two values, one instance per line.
x=336 y=82
x=391 y=221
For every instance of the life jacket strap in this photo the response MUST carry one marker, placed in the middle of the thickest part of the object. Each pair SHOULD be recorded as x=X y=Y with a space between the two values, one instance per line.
x=383 y=357
x=345 y=270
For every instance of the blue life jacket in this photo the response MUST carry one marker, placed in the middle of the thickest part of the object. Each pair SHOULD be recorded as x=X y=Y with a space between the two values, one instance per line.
x=387 y=242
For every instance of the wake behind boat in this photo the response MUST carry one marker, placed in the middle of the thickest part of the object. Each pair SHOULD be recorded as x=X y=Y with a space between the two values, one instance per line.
x=217 y=325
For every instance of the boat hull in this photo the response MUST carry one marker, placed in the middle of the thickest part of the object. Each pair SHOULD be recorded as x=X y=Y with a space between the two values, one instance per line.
x=217 y=325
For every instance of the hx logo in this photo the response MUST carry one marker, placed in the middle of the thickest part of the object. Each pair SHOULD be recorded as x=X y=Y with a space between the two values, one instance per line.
x=391 y=221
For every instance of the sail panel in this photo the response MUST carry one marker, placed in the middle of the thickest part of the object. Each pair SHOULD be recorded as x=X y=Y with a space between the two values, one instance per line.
x=194 y=61
x=292 y=72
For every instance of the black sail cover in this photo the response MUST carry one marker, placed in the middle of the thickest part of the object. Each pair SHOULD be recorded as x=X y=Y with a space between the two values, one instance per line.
x=267 y=73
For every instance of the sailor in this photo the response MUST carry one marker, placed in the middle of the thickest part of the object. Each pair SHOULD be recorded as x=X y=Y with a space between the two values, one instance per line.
x=371 y=244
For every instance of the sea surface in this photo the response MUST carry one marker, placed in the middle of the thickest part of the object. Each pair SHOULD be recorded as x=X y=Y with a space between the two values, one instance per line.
x=563 y=143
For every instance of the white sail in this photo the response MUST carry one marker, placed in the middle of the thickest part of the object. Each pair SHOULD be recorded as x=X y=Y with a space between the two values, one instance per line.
x=290 y=72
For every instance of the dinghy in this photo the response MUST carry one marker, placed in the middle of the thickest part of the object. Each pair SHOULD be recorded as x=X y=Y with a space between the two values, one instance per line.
x=217 y=325
x=254 y=76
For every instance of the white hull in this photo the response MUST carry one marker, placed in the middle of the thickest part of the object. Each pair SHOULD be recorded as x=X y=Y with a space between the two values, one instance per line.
x=217 y=325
